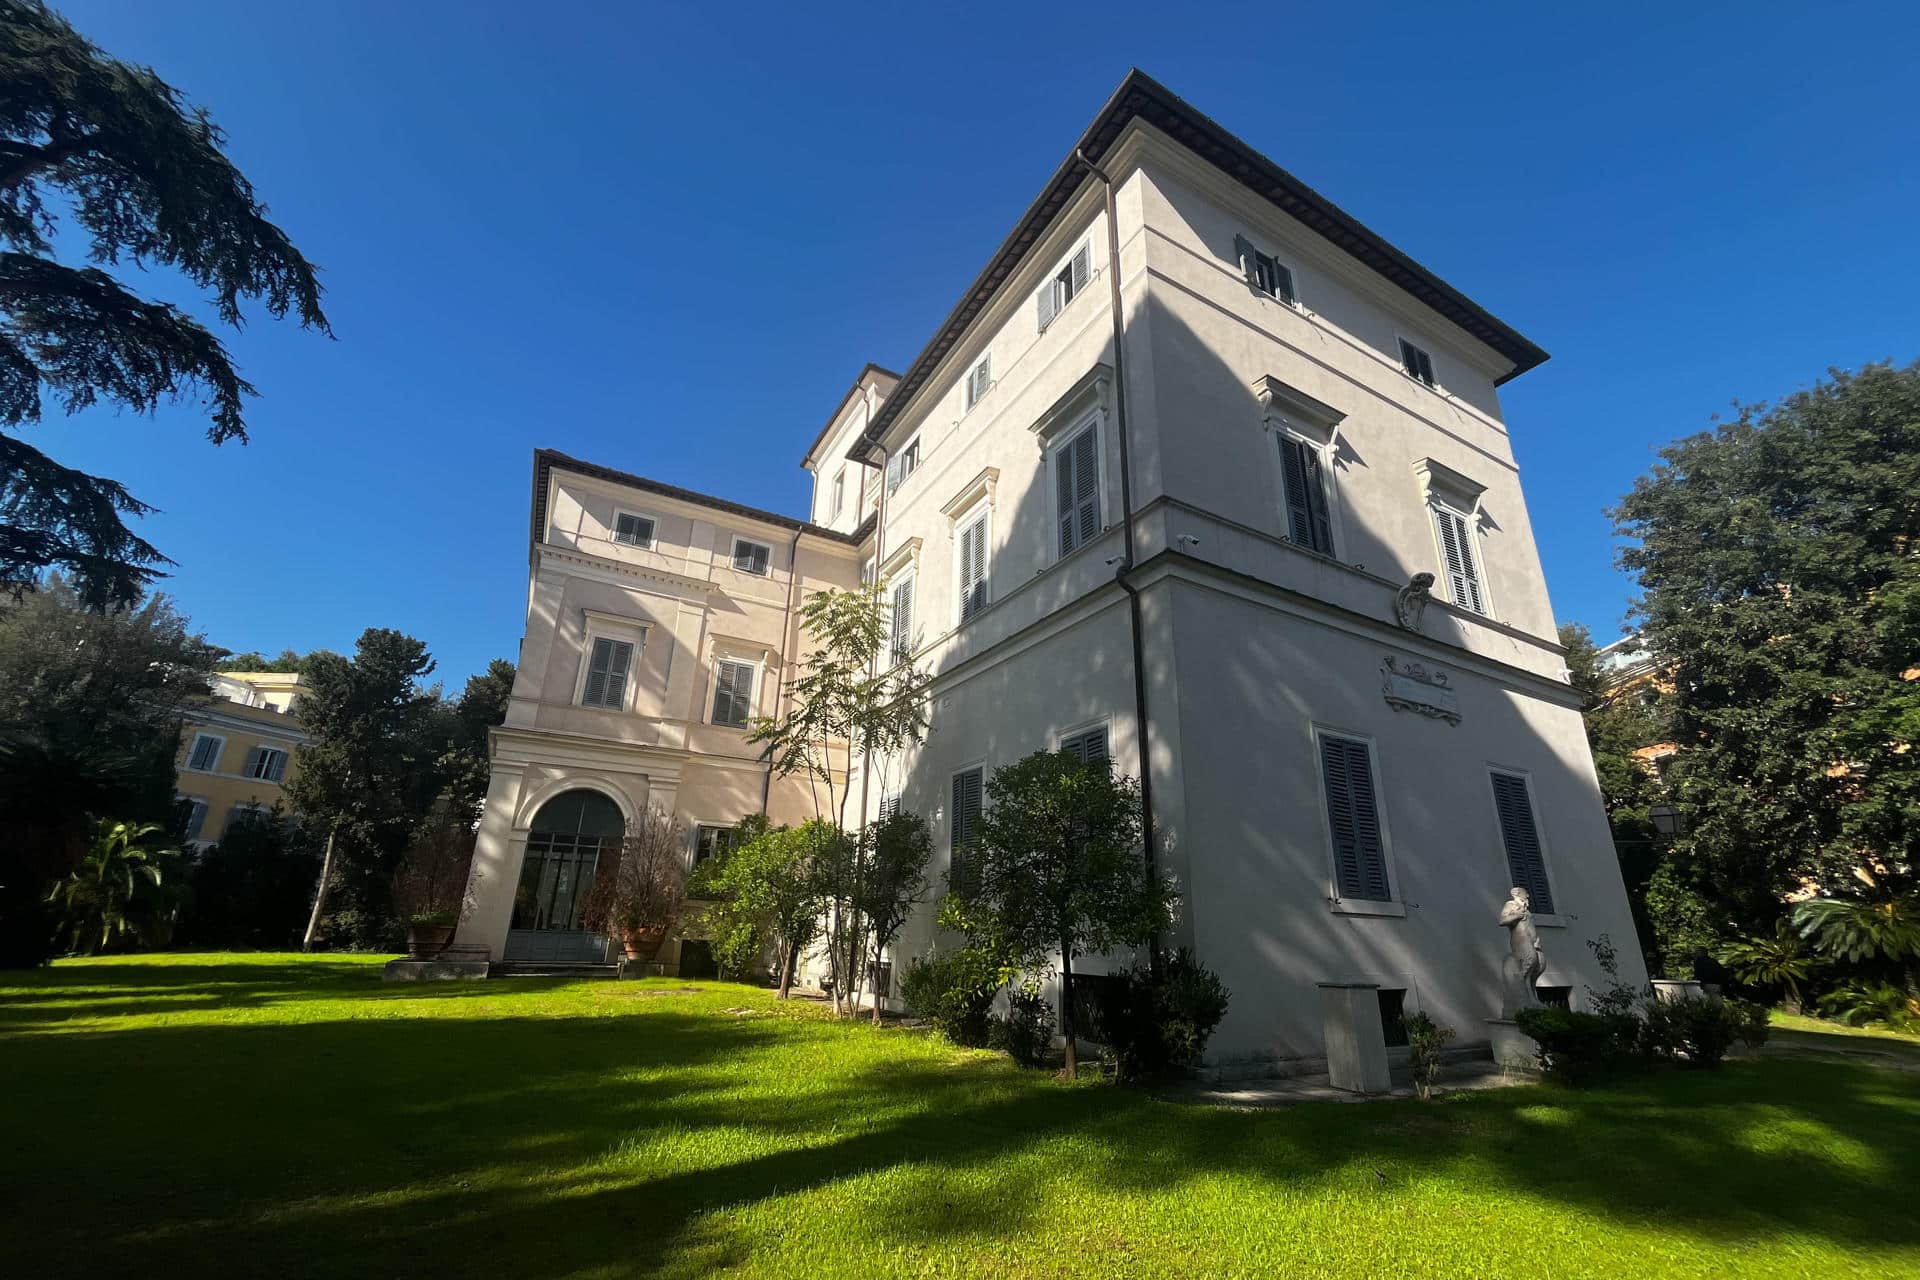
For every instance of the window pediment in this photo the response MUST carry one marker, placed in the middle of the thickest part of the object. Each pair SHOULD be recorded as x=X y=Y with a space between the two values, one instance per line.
x=1438 y=480
x=1284 y=404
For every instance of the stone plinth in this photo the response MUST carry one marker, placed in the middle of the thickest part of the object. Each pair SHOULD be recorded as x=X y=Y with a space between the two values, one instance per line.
x=1670 y=989
x=442 y=969
x=1356 y=1043
x=1512 y=1048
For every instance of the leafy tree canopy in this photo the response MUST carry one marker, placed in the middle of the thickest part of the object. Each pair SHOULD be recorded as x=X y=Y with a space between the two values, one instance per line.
x=1778 y=559
x=142 y=176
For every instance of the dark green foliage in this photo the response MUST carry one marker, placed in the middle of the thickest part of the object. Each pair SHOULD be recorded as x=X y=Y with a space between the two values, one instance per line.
x=89 y=726
x=289 y=662
x=1025 y=1031
x=1426 y=1049
x=1781 y=587
x=252 y=890
x=124 y=892
x=1859 y=1004
x=1861 y=931
x=892 y=880
x=954 y=991
x=1697 y=1031
x=1576 y=1048
x=1158 y=1024
x=1778 y=962
x=142 y=175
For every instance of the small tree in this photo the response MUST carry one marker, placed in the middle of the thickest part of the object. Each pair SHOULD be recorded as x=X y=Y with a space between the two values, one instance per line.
x=430 y=886
x=765 y=892
x=893 y=881
x=643 y=893
x=844 y=704
x=1060 y=866
x=119 y=892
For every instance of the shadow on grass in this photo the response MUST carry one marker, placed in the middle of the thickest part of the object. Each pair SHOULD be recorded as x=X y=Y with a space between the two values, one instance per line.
x=554 y=1144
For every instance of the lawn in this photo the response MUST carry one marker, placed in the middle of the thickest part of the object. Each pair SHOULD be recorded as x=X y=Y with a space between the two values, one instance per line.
x=285 y=1116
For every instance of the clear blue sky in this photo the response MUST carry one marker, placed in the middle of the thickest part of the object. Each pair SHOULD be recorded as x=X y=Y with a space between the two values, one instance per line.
x=666 y=239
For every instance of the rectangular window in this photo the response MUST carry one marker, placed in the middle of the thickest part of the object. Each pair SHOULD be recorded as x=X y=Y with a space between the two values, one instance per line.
x=903 y=618
x=1088 y=745
x=1264 y=272
x=1307 y=522
x=979 y=380
x=964 y=831
x=1076 y=476
x=242 y=812
x=635 y=531
x=712 y=841
x=1462 y=565
x=840 y=491
x=1065 y=286
x=268 y=763
x=732 y=694
x=1393 y=1016
x=973 y=567
x=1525 y=860
x=1417 y=363
x=1353 y=818
x=607 y=671
x=903 y=464
x=205 y=756
x=751 y=557
x=880 y=978
x=889 y=806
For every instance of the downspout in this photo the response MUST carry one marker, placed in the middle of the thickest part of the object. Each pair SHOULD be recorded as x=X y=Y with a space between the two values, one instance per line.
x=1140 y=718
x=788 y=645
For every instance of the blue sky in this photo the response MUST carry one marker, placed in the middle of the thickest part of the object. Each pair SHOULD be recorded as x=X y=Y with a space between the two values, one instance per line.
x=666 y=239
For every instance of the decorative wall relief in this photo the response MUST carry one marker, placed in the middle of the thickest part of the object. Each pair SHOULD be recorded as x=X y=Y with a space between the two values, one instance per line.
x=1412 y=686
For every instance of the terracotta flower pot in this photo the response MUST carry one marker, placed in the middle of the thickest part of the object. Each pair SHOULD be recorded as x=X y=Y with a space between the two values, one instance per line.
x=644 y=944
x=426 y=941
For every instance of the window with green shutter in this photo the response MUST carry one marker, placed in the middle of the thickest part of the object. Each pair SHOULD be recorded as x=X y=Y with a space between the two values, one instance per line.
x=1526 y=862
x=1308 y=523
x=732 y=694
x=1088 y=745
x=963 y=830
x=607 y=669
x=979 y=380
x=972 y=550
x=1353 y=819
x=1065 y=286
x=902 y=645
x=1462 y=564
x=1416 y=363
x=1264 y=272
x=205 y=756
x=1076 y=472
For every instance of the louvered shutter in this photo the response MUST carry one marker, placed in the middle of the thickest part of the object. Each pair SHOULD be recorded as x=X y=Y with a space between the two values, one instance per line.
x=732 y=694
x=889 y=806
x=1086 y=484
x=1088 y=747
x=893 y=473
x=206 y=754
x=619 y=659
x=273 y=763
x=1307 y=520
x=1359 y=855
x=902 y=619
x=973 y=568
x=1079 y=270
x=1283 y=282
x=979 y=380
x=1463 y=575
x=961 y=873
x=595 y=694
x=1525 y=861
x=251 y=769
x=1049 y=301
x=1063 y=497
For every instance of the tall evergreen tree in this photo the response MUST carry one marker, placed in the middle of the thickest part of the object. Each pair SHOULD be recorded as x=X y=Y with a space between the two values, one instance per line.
x=1779 y=557
x=141 y=174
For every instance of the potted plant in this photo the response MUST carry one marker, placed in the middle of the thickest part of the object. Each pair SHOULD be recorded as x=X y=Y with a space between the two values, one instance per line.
x=430 y=890
x=638 y=899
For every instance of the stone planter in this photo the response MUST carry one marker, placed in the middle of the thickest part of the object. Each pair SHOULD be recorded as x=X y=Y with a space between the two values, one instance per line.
x=427 y=941
x=644 y=944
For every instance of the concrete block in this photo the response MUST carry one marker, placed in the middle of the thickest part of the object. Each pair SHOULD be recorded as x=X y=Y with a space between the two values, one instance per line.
x=1356 y=1043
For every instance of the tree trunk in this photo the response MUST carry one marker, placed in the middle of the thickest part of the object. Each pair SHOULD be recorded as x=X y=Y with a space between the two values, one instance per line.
x=320 y=894
x=1066 y=1009
x=878 y=948
x=788 y=960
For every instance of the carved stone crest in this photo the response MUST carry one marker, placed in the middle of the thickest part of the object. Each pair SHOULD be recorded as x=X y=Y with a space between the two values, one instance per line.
x=1411 y=686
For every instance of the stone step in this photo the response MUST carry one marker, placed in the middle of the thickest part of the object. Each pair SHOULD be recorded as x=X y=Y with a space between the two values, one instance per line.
x=551 y=969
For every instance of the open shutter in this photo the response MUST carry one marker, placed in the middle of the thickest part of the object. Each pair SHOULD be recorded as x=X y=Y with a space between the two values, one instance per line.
x=1094 y=745
x=961 y=873
x=1049 y=301
x=893 y=473
x=1079 y=270
x=1353 y=817
x=1456 y=541
x=1525 y=860
x=1063 y=497
x=1317 y=503
x=1086 y=484
x=973 y=568
x=902 y=619
x=619 y=659
x=1293 y=460
x=595 y=694
x=1243 y=250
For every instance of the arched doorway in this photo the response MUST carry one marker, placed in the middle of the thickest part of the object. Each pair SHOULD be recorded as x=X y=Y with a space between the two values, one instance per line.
x=566 y=843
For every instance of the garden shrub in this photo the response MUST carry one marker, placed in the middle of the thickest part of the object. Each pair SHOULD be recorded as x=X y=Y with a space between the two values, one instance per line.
x=1426 y=1044
x=1696 y=1031
x=1578 y=1048
x=1858 y=1003
x=954 y=991
x=1159 y=1025
x=1026 y=1032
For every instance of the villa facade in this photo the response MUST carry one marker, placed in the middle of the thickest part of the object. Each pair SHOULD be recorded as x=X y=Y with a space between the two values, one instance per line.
x=1164 y=485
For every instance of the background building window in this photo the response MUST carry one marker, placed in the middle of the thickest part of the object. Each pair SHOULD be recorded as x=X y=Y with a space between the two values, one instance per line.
x=269 y=763
x=751 y=557
x=205 y=756
x=1417 y=363
x=636 y=531
x=712 y=841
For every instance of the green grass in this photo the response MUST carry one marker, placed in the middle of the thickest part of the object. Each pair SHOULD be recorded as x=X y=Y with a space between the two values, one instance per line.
x=284 y=1116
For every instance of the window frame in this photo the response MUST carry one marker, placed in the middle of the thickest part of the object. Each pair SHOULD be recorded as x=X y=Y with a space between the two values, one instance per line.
x=694 y=858
x=839 y=492
x=1253 y=257
x=1286 y=431
x=1393 y=904
x=1401 y=345
x=970 y=394
x=753 y=696
x=1059 y=283
x=653 y=526
x=733 y=559
x=620 y=631
x=980 y=513
x=1439 y=503
x=1104 y=724
x=896 y=463
x=1093 y=420
x=194 y=749
x=1557 y=917
x=201 y=806
x=265 y=749
x=908 y=575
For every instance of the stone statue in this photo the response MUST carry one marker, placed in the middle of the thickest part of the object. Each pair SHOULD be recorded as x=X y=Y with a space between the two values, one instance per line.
x=1523 y=967
x=1411 y=600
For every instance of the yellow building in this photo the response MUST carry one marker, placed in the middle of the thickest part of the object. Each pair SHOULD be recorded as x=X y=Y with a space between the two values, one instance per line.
x=238 y=751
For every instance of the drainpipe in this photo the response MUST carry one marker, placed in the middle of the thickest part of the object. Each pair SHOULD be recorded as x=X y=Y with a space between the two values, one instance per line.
x=1140 y=717
x=787 y=647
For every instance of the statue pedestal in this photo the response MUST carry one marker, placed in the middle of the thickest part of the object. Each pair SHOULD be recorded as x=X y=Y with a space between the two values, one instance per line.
x=1512 y=1048
x=1356 y=1043
x=1671 y=989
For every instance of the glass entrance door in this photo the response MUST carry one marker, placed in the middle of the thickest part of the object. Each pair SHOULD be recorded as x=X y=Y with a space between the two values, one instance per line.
x=568 y=838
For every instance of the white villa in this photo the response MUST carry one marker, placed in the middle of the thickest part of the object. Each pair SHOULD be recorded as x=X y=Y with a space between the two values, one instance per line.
x=1164 y=484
